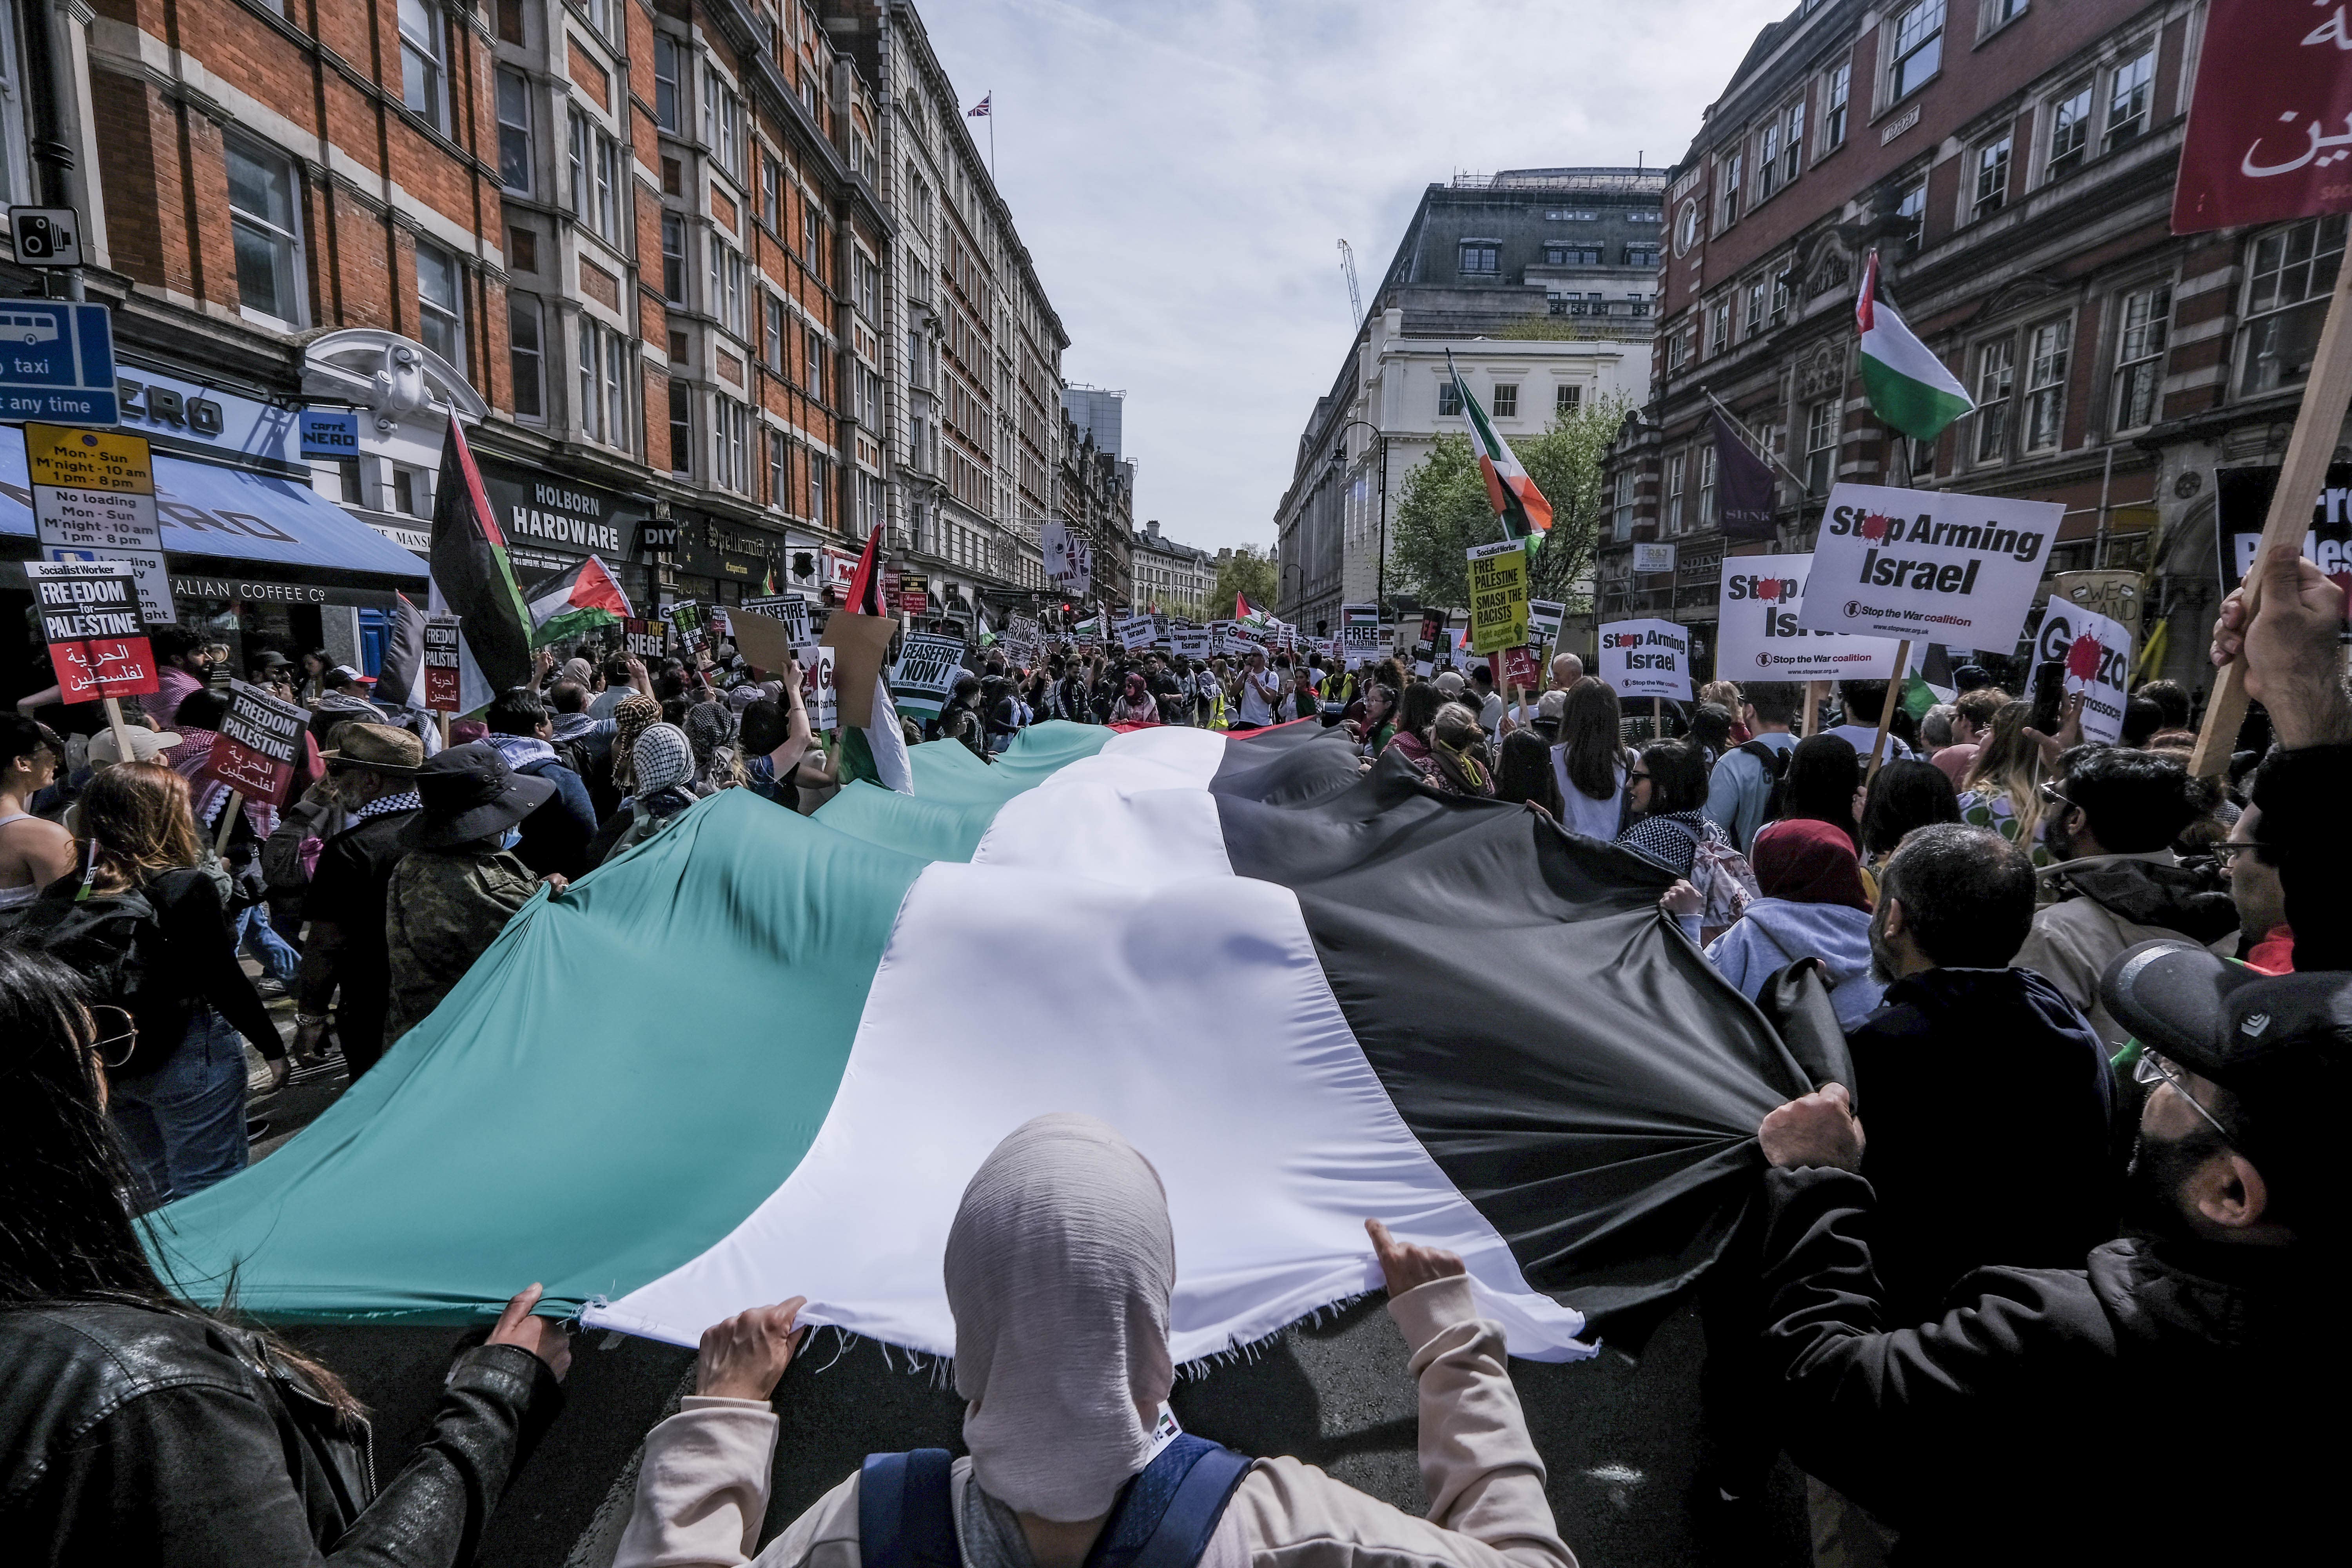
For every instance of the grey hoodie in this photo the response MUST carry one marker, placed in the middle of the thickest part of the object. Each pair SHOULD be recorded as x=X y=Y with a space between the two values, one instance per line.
x=1776 y=932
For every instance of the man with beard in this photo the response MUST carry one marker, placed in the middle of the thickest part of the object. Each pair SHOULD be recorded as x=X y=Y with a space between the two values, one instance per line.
x=2149 y=1406
x=2109 y=818
x=1954 y=905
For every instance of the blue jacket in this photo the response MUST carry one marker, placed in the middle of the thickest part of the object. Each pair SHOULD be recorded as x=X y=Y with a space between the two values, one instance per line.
x=1739 y=789
x=1775 y=934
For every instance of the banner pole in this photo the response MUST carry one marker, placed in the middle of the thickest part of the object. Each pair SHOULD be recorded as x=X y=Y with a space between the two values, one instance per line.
x=1887 y=708
x=122 y=731
x=1815 y=691
x=1658 y=718
x=229 y=823
x=2301 y=476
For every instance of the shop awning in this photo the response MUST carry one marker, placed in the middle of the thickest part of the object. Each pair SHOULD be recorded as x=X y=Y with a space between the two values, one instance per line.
x=231 y=514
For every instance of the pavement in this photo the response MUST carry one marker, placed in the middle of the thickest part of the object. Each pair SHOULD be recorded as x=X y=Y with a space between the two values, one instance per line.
x=1618 y=1433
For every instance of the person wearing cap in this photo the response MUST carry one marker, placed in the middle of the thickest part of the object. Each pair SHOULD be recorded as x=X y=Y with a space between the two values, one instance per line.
x=343 y=698
x=33 y=852
x=554 y=838
x=2156 y=1404
x=373 y=774
x=460 y=881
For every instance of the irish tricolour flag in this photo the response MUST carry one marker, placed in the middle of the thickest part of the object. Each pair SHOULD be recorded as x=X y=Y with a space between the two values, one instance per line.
x=1910 y=388
x=1513 y=495
x=575 y=602
x=1308 y=993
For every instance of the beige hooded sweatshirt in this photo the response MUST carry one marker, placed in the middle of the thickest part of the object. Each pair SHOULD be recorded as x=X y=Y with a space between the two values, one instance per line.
x=1063 y=1245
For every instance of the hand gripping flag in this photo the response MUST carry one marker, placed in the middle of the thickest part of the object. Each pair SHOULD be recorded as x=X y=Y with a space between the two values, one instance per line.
x=1910 y=388
x=1513 y=495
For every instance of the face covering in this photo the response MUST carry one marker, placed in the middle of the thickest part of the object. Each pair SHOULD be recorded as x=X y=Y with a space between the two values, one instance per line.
x=1059 y=1268
x=510 y=838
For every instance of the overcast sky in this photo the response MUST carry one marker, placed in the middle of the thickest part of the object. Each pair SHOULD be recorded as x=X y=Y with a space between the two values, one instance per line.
x=1181 y=171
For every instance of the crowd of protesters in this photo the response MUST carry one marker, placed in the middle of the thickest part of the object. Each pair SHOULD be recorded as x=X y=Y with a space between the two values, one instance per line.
x=2055 y=1306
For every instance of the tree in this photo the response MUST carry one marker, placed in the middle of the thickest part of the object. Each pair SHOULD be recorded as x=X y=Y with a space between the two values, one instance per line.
x=1245 y=571
x=1443 y=510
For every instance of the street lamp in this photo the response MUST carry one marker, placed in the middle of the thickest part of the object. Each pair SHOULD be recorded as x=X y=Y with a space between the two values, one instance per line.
x=1380 y=562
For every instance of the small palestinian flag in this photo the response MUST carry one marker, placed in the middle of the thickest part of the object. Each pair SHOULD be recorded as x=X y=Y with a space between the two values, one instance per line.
x=1509 y=490
x=1909 y=386
x=576 y=602
x=472 y=579
x=1272 y=970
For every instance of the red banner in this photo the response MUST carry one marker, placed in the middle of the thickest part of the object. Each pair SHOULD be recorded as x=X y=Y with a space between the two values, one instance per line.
x=92 y=621
x=109 y=667
x=1516 y=667
x=2270 y=128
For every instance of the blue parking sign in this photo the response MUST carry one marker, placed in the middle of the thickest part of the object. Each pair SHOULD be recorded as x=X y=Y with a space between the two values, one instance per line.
x=329 y=433
x=57 y=362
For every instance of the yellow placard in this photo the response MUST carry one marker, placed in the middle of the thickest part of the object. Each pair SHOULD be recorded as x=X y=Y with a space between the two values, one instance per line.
x=79 y=458
x=1498 y=596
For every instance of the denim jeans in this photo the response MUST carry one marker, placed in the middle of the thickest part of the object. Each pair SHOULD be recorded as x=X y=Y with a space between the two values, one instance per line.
x=184 y=1124
x=260 y=942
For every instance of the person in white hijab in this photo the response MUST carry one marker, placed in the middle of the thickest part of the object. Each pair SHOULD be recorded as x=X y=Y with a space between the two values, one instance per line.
x=1060 y=1266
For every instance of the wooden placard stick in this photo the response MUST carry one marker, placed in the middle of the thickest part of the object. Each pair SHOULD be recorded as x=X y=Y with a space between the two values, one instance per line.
x=1815 y=691
x=114 y=721
x=1886 y=709
x=228 y=822
x=2301 y=477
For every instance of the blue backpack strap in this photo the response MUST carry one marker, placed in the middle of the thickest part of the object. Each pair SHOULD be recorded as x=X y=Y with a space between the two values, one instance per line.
x=906 y=1514
x=1164 y=1516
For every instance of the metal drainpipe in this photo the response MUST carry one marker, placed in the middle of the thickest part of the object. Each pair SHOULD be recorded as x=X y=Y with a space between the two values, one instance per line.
x=53 y=154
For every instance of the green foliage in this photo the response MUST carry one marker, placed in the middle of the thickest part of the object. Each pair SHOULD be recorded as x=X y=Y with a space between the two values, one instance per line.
x=1247 y=571
x=1443 y=511
x=1542 y=329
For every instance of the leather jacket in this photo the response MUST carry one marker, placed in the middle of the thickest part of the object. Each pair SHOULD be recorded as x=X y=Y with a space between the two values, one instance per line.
x=133 y=1434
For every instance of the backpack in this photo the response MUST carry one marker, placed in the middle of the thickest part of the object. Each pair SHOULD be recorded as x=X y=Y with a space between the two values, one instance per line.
x=1775 y=763
x=113 y=942
x=1163 y=1517
x=1723 y=877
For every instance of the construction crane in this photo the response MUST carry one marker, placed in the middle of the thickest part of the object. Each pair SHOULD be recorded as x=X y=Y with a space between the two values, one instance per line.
x=1355 y=295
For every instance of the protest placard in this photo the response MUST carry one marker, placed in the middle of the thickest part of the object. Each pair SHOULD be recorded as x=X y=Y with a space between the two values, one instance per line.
x=259 y=742
x=926 y=671
x=1929 y=565
x=857 y=644
x=2241 y=499
x=1544 y=618
x=1222 y=639
x=1135 y=633
x=643 y=638
x=2096 y=651
x=1759 y=637
x=1647 y=659
x=442 y=658
x=790 y=609
x=1190 y=643
x=97 y=636
x=1359 y=633
x=817 y=691
x=1516 y=668
x=1498 y=595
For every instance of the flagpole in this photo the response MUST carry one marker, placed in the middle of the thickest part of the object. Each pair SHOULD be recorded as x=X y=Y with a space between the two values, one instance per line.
x=1804 y=490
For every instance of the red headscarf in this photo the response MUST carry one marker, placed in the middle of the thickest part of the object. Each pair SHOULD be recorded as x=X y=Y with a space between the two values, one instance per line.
x=1808 y=862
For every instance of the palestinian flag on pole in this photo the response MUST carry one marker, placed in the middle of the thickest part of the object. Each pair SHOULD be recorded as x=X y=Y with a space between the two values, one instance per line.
x=1274 y=972
x=1910 y=388
x=472 y=578
x=877 y=752
x=576 y=602
x=1513 y=495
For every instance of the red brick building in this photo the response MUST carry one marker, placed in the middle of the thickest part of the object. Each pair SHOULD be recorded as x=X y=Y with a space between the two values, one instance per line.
x=2012 y=161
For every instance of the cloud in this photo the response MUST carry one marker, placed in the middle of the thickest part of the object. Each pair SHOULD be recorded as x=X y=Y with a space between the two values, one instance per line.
x=1181 y=171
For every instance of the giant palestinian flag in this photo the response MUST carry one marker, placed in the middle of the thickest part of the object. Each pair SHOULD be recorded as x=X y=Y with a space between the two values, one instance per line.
x=1909 y=386
x=1510 y=490
x=1308 y=995
x=472 y=578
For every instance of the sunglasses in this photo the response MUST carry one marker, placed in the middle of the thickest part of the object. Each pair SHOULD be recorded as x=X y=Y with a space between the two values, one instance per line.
x=2151 y=1070
x=2227 y=854
x=2049 y=796
x=116 y=1036
x=1636 y=778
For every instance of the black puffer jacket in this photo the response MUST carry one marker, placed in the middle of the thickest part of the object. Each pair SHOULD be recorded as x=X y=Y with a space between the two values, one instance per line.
x=2055 y=1414
x=134 y=1435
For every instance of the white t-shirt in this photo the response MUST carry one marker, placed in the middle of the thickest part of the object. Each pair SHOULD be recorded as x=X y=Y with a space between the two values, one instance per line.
x=1593 y=818
x=1861 y=737
x=1259 y=688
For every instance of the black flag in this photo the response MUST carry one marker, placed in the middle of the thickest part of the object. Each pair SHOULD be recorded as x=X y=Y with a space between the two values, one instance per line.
x=1743 y=485
x=404 y=655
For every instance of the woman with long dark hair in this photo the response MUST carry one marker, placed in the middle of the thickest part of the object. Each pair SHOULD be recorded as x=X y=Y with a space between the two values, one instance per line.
x=179 y=1101
x=135 y=1428
x=1523 y=774
x=1591 y=761
x=1417 y=711
x=1907 y=793
x=1665 y=791
x=1823 y=771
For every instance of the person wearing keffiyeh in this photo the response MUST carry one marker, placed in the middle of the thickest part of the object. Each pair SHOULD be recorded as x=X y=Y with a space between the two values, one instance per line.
x=630 y=719
x=661 y=761
x=373 y=770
